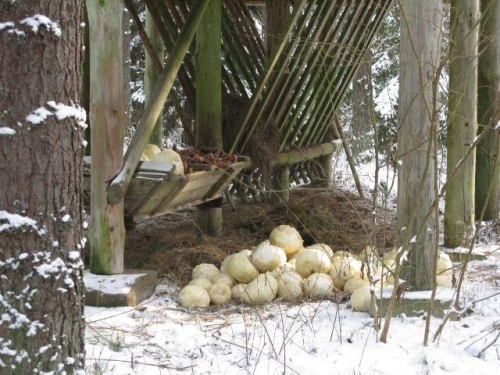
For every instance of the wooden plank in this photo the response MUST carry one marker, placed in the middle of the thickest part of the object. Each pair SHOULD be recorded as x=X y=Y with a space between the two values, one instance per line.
x=142 y=186
x=174 y=191
x=132 y=202
x=152 y=166
x=219 y=186
x=156 y=195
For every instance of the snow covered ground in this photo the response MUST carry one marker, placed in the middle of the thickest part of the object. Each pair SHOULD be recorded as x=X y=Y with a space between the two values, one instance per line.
x=325 y=337
x=160 y=337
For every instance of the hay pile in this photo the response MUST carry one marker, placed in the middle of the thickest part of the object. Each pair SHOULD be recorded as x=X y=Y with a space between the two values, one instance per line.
x=173 y=246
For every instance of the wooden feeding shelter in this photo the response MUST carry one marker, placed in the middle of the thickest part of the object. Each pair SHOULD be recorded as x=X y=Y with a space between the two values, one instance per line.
x=286 y=86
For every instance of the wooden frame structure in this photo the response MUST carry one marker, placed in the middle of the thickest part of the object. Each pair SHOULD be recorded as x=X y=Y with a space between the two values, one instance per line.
x=298 y=88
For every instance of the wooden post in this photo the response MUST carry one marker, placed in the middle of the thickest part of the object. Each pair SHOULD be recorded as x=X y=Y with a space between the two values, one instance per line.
x=278 y=12
x=326 y=163
x=208 y=101
x=107 y=116
x=120 y=183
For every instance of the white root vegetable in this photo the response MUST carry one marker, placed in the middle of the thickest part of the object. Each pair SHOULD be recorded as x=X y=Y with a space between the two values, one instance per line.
x=290 y=285
x=262 y=289
x=219 y=293
x=323 y=247
x=444 y=264
x=286 y=237
x=193 y=296
x=354 y=283
x=149 y=152
x=361 y=299
x=204 y=271
x=224 y=278
x=237 y=291
x=201 y=282
x=267 y=257
x=319 y=285
x=241 y=268
x=223 y=266
x=343 y=269
x=172 y=157
x=310 y=261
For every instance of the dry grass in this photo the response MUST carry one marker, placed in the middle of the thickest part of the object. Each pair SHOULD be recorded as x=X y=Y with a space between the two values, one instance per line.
x=172 y=245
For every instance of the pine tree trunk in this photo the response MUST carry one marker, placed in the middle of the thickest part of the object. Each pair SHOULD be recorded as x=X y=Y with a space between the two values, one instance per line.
x=421 y=25
x=462 y=122
x=41 y=150
x=488 y=93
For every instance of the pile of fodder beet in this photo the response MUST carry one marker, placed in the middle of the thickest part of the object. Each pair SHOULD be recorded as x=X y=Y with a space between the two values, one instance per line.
x=172 y=244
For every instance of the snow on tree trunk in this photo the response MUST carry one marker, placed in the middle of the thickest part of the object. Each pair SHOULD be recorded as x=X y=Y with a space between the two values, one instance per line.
x=41 y=150
x=462 y=122
x=421 y=28
x=487 y=168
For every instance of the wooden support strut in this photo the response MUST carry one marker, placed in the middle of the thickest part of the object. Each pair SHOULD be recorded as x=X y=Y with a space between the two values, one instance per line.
x=120 y=183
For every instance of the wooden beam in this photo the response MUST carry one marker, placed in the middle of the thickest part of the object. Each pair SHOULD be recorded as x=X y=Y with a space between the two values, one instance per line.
x=107 y=117
x=209 y=101
x=120 y=183
x=299 y=155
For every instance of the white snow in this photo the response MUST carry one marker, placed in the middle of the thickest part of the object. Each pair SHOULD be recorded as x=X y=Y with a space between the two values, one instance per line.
x=4 y=130
x=316 y=338
x=10 y=221
x=323 y=337
x=110 y=284
x=38 y=20
x=61 y=111
x=38 y=116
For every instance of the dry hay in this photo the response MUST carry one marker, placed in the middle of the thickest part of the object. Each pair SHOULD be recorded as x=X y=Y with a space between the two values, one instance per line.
x=172 y=245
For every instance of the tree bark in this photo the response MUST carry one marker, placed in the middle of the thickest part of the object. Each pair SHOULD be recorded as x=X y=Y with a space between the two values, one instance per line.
x=41 y=150
x=488 y=110
x=462 y=122
x=421 y=25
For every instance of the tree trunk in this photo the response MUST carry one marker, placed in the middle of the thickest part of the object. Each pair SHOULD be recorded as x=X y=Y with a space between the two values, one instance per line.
x=421 y=25
x=107 y=118
x=151 y=76
x=41 y=150
x=209 y=101
x=488 y=93
x=363 y=109
x=462 y=122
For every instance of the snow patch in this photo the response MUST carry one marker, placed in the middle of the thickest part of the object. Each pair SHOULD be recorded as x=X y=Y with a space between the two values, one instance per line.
x=7 y=131
x=37 y=21
x=10 y=222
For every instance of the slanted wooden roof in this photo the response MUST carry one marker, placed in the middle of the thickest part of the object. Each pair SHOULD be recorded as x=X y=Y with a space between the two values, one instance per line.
x=313 y=66
x=299 y=89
